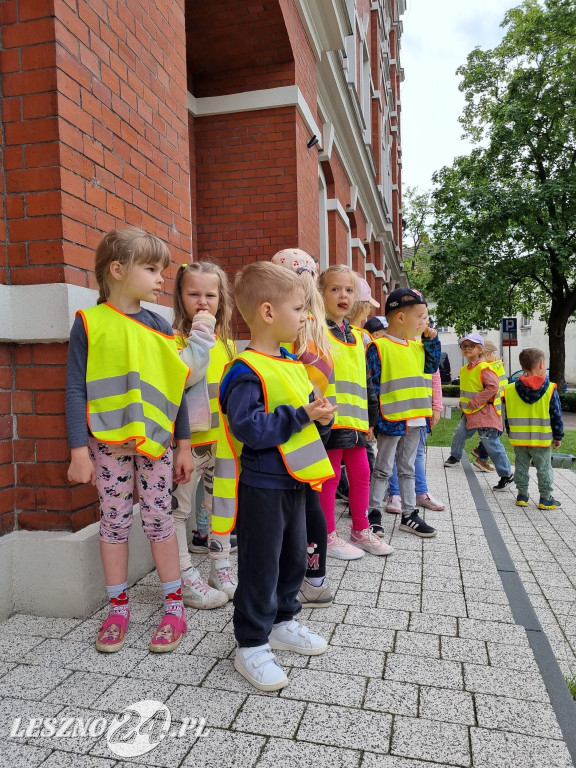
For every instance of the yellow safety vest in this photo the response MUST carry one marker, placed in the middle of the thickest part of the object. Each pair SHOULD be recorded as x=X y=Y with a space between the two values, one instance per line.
x=219 y=359
x=347 y=383
x=405 y=390
x=284 y=382
x=134 y=381
x=529 y=422
x=471 y=384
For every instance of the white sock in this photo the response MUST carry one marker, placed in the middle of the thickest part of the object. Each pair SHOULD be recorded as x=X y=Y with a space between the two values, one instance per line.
x=280 y=624
x=315 y=581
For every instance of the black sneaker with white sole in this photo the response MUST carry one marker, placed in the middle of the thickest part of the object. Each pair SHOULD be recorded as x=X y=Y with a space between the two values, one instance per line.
x=504 y=482
x=375 y=521
x=451 y=461
x=414 y=524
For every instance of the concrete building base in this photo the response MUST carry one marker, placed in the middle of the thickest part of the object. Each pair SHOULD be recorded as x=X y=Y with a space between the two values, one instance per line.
x=52 y=573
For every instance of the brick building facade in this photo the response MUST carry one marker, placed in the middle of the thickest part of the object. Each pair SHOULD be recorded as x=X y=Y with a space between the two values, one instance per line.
x=191 y=120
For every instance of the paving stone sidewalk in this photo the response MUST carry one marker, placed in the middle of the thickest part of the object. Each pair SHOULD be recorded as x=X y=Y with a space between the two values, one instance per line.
x=426 y=666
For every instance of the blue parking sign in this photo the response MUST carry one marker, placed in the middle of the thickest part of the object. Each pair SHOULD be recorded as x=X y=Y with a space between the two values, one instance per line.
x=509 y=325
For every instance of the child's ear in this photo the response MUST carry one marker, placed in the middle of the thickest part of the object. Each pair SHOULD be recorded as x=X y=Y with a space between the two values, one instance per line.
x=116 y=270
x=266 y=312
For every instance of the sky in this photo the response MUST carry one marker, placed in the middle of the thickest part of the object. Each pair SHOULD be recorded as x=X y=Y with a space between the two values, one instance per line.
x=438 y=35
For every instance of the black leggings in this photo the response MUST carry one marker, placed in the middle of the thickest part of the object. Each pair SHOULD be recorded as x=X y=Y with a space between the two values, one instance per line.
x=316 y=535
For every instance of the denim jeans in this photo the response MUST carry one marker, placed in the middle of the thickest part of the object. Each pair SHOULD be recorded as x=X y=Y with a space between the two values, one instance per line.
x=403 y=448
x=490 y=438
x=419 y=469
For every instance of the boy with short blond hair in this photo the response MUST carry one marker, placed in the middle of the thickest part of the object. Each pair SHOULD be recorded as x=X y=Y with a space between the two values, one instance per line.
x=266 y=396
x=534 y=420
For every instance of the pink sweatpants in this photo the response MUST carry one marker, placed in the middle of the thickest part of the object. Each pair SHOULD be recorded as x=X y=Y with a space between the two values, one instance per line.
x=358 y=470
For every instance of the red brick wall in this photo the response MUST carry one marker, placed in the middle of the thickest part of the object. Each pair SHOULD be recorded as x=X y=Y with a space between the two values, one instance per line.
x=94 y=135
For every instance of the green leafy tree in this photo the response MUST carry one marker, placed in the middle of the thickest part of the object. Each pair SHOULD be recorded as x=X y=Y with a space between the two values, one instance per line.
x=505 y=216
x=417 y=246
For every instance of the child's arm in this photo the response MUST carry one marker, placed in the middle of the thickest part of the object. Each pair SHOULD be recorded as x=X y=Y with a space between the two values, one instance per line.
x=432 y=350
x=81 y=469
x=556 y=419
x=196 y=353
x=250 y=424
x=491 y=386
x=436 y=398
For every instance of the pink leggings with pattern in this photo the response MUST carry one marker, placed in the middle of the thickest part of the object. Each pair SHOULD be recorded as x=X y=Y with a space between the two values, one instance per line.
x=116 y=468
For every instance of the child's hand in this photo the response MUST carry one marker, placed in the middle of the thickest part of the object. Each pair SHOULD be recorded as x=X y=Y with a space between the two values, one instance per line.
x=430 y=333
x=81 y=469
x=435 y=418
x=320 y=410
x=370 y=436
x=184 y=464
x=557 y=443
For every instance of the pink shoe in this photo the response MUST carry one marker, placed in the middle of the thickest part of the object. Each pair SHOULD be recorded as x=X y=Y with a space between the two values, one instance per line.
x=394 y=505
x=342 y=550
x=369 y=542
x=429 y=502
x=113 y=632
x=168 y=635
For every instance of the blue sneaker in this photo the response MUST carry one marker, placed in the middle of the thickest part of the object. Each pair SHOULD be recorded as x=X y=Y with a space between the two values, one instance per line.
x=521 y=500
x=549 y=504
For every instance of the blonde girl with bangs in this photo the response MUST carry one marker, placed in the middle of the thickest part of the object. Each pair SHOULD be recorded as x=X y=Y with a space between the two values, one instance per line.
x=202 y=312
x=124 y=406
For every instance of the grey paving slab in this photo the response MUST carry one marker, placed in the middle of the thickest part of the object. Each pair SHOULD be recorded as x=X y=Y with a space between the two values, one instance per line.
x=64 y=760
x=495 y=631
x=54 y=652
x=402 y=587
x=169 y=752
x=78 y=739
x=417 y=644
x=21 y=754
x=464 y=649
x=218 y=708
x=443 y=603
x=446 y=705
x=505 y=714
x=363 y=637
x=269 y=717
x=13 y=708
x=398 y=601
x=371 y=760
x=118 y=663
x=325 y=687
x=345 y=727
x=353 y=661
x=511 y=657
x=215 y=644
x=431 y=740
x=527 y=686
x=41 y=626
x=489 y=611
x=81 y=688
x=437 y=625
x=349 y=597
x=390 y=696
x=377 y=617
x=127 y=690
x=13 y=647
x=225 y=749
x=31 y=682
x=281 y=753
x=161 y=666
x=497 y=749
x=424 y=671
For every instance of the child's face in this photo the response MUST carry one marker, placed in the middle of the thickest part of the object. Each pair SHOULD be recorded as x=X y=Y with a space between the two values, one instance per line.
x=339 y=295
x=143 y=282
x=199 y=293
x=471 y=351
x=413 y=319
x=378 y=334
x=289 y=316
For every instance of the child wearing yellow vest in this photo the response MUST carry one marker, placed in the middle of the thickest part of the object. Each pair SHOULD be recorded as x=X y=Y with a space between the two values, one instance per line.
x=490 y=355
x=270 y=409
x=481 y=407
x=202 y=312
x=534 y=420
x=401 y=368
x=125 y=375
x=352 y=392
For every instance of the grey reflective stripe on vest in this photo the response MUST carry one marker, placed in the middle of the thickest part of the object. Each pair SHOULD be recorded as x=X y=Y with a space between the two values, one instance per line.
x=412 y=404
x=410 y=381
x=225 y=468
x=353 y=411
x=120 y=385
x=332 y=400
x=133 y=412
x=305 y=456
x=349 y=388
x=514 y=435
x=224 y=507
x=213 y=389
x=214 y=420
x=463 y=393
x=528 y=422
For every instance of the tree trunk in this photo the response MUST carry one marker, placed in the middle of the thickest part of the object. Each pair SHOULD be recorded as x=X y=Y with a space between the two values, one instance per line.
x=556 y=341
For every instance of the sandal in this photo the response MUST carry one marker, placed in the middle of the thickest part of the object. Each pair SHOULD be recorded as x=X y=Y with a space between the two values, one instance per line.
x=112 y=633
x=168 y=635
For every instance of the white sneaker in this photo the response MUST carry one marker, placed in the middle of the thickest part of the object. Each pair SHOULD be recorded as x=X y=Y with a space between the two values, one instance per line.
x=221 y=578
x=370 y=542
x=293 y=636
x=259 y=667
x=394 y=505
x=197 y=594
x=342 y=550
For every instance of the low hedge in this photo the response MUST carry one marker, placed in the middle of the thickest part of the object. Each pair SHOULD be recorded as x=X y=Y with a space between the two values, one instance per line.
x=568 y=400
x=450 y=390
